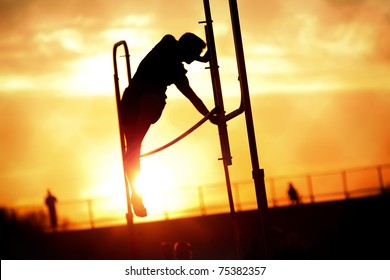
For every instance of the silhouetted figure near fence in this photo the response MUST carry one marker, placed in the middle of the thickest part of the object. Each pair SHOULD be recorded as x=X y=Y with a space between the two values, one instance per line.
x=182 y=250
x=144 y=99
x=50 y=202
x=293 y=195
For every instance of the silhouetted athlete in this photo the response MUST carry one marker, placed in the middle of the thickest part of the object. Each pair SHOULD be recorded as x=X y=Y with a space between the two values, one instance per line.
x=144 y=99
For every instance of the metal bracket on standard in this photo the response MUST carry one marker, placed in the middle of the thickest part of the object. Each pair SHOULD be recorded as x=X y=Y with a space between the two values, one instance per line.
x=259 y=173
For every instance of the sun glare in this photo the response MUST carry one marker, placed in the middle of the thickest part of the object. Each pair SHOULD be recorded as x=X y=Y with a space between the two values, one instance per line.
x=154 y=183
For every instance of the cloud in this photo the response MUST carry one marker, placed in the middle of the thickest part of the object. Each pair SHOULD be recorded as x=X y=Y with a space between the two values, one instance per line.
x=55 y=142
x=43 y=40
x=345 y=3
x=37 y=38
x=318 y=41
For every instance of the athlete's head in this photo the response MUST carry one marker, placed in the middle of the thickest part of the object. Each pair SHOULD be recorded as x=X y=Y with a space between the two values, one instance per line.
x=191 y=47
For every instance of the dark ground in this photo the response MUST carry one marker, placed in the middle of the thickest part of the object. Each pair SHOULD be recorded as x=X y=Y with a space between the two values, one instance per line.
x=351 y=229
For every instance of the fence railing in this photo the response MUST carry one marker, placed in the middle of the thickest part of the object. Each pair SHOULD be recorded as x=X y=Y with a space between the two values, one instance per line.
x=344 y=184
x=212 y=199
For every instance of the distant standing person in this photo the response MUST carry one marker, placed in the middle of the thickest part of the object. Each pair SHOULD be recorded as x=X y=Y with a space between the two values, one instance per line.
x=293 y=195
x=50 y=202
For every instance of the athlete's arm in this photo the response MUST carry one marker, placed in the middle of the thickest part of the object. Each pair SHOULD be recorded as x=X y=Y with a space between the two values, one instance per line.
x=184 y=86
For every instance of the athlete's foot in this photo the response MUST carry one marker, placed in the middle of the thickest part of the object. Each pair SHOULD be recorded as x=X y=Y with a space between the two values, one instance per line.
x=138 y=207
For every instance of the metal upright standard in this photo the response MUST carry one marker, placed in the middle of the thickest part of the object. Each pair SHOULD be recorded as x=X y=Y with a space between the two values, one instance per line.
x=245 y=106
x=129 y=214
x=257 y=172
x=222 y=127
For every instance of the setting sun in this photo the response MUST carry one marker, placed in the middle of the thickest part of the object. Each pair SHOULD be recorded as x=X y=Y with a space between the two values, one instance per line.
x=154 y=183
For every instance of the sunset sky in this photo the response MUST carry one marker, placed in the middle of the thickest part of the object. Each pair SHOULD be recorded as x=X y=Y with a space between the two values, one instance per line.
x=318 y=75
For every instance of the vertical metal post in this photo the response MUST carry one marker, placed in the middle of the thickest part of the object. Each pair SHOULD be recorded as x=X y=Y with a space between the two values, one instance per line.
x=166 y=210
x=310 y=187
x=90 y=213
x=129 y=214
x=345 y=184
x=202 y=207
x=216 y=83
x=236 y=188
x=222 y=128
x=380 y=179
x=257 y=173
x=273 y=194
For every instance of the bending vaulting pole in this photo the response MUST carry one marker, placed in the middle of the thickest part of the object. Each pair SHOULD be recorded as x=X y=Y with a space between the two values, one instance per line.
x=177 y=139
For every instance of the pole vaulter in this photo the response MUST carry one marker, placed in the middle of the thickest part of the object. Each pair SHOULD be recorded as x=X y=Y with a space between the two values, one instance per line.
x=245 y=107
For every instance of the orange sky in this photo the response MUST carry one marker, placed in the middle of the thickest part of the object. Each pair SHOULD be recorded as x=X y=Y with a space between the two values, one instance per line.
x=318 y=74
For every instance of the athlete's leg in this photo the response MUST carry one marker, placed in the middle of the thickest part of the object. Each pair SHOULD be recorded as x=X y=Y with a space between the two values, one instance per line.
x=134 y=134
x=149 y=111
